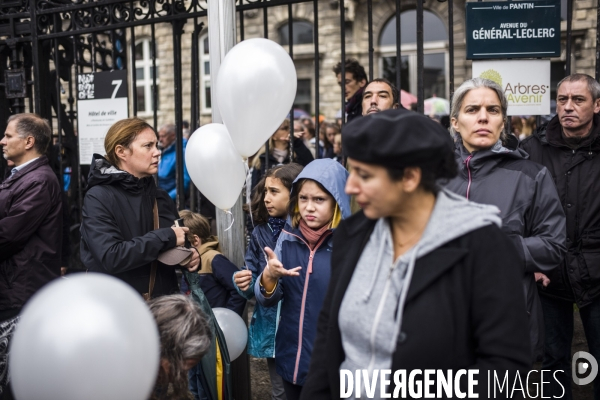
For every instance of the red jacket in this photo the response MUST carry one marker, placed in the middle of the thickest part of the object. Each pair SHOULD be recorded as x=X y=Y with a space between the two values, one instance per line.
x=30 y=234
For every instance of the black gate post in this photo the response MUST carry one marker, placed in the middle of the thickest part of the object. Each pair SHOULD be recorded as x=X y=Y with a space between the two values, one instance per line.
x=14 y=78
x=597 y=41
x=420 y=59
x=177 y=32
x=35 y=51
x=4 y=114
x=195 y=100
x=569 y=35
x=450 y=50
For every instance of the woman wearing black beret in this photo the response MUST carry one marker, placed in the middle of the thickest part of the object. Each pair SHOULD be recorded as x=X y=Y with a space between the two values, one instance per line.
x=421 y=278
x=494 y=170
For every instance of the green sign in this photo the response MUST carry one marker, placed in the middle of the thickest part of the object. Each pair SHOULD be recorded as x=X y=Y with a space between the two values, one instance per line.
x=513 y=29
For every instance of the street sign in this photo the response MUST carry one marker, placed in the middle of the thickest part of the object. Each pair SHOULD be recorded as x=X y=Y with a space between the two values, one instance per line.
x=513 y=29
x=101 y=101
x=526 y=83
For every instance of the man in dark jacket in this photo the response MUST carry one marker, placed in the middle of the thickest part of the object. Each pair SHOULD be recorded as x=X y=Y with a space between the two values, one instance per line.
x=569 y=146
x=30 y=223
x=355 y=80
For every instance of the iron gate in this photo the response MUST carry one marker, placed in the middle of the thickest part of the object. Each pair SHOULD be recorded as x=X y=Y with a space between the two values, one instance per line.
x=45 y=43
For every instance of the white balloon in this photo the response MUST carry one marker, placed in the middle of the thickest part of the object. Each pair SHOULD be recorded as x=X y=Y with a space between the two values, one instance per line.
x=215 y=166
x=87 y=337
x=256 y=87
x=234 y=330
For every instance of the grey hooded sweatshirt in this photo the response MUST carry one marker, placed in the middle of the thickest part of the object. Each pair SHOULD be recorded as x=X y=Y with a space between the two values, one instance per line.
x=371 y=312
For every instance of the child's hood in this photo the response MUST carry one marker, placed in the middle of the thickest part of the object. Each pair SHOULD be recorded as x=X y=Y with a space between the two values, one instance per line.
x=332 y=176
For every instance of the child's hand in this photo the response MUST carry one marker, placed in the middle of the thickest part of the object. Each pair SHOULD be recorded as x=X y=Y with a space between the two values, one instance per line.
x=275 y=269
x=194 y=264
x=243 y=279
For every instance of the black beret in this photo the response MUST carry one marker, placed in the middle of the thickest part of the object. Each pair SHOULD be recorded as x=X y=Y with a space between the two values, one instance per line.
x=396 y=139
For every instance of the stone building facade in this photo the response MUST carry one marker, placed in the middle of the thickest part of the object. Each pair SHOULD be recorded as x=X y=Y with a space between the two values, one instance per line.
x=357 y=46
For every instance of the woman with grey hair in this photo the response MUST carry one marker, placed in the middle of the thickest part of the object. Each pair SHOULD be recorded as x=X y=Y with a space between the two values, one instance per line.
x=185 y=337
x=493 y=170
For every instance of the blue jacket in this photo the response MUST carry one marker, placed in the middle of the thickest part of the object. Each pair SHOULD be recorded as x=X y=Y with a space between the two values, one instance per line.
x=302 y=296
x=166 y=171
x=261 y=333
x=217 y=286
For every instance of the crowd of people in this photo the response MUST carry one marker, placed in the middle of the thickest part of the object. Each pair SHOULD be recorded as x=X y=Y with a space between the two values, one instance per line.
x=388 y=243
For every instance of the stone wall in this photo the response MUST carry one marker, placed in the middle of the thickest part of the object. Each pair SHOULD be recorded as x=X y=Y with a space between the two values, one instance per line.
x=583 y=46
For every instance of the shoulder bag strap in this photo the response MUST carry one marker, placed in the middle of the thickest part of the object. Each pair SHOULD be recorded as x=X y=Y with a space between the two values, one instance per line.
x=154 y=263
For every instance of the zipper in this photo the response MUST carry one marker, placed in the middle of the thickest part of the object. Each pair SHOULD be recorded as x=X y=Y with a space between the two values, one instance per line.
x=301 y=322
x=304 y=293
x=276 y=325
x=469 y=172
x=378 y=313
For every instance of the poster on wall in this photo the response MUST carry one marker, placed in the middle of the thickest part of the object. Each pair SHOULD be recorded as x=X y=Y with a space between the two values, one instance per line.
x=101 y=101
x=526 y=83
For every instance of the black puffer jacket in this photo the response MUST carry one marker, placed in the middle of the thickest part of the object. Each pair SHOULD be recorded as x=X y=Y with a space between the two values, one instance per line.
x=575 y=173
x=462 y=310
x=530 y=209
x=117 y=235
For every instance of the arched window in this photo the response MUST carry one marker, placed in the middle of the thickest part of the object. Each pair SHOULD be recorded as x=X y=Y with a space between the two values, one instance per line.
x=302 y=32
x=435 y=38
x=205 y=101
x=144 y=75
x=435 y=30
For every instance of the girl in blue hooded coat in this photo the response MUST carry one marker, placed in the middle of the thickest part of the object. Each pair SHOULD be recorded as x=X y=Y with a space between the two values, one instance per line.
x=269 y=209
x=298 y=269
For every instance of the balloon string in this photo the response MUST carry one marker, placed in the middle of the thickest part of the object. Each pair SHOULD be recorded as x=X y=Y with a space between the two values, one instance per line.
x=248 y=195
x=232 y=220
x=249 y=202
x=249 y=190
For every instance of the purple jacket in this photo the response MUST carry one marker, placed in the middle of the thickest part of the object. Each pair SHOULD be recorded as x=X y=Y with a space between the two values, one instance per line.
x=30 y=234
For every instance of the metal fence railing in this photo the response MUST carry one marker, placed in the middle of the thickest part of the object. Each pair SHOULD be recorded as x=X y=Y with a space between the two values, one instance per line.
x=45 y=43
